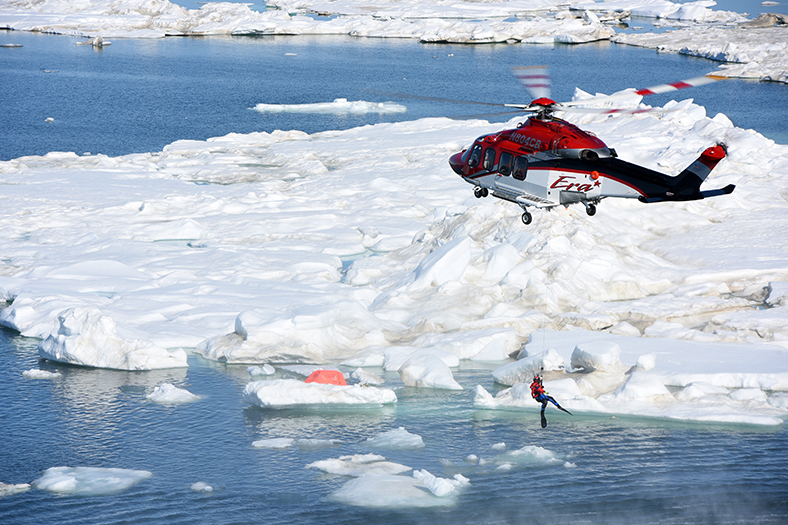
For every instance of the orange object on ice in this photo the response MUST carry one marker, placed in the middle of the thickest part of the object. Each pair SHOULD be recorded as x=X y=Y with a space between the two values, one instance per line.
x=327 y=377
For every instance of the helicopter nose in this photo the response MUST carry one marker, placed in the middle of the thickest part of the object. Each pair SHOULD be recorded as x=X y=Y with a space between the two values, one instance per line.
x=455 y=161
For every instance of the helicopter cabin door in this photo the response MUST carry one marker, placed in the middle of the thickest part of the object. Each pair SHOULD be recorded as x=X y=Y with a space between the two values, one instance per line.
x=513 y=176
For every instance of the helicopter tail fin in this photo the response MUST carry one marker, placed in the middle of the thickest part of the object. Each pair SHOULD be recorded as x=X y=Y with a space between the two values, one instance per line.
x=688 y=181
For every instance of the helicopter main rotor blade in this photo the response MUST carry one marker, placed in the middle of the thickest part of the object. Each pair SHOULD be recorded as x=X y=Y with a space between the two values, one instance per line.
x=611 y=111
x=536 y=79
x=397 y=94
x=654 y=90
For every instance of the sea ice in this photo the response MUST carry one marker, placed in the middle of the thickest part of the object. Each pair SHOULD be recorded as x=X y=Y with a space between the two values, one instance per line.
x=683 y=282
x=396 y=439
x=265 y=370
x=359 y=465
x=7 y=489
x=427 y=371
x=274 y=443
x=170 y=394
x=84 y=336
x=201 y=486
x=89 y=481
x=41 y=374
x=340 y=106
x=286 y=393
x=392 y=491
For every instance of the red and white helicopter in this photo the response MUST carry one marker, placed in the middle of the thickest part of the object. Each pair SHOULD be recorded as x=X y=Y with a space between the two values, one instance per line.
x=547 y=162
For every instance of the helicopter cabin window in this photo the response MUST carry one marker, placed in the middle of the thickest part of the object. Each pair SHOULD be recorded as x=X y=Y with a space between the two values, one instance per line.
x=489 y=159
x=475 y=156
x=520 y=168
x=505 y=164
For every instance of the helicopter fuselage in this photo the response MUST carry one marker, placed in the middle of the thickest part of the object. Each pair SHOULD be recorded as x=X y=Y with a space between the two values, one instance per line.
x=547 y=162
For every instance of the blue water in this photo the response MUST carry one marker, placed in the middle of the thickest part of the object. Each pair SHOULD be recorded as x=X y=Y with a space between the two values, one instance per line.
x=627 y=470
x=140 y=95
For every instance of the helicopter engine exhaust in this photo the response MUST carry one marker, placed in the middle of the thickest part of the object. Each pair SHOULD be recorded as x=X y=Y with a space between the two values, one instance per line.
x=588 y=154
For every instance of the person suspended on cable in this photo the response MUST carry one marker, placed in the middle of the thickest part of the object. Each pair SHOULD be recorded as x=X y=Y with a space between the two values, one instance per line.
x=539 y=394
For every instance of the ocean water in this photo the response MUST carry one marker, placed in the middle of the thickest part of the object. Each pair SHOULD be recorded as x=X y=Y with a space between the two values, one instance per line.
x=140 y=95
x=601 y=470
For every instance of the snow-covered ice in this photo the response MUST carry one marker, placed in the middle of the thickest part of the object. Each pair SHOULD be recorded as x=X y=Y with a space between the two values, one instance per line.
x=361 y=248
x=89 y=481
x=287 y=393
x=170 y=394
x=749 y=48
x=422 y=490
x=339 y=106
x=359 y=465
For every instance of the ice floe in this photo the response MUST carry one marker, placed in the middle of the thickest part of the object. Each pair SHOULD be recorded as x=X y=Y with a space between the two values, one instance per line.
x=340 y=106
x=422 y=490
x=89 y=481
x=311 y=251
x=170 y=394
x=396 y=439
x=288 y=393
x=41 y=374
x=359 y=465
x=750 y=48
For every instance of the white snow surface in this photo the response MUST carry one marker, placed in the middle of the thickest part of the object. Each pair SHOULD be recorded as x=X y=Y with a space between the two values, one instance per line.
x=362 y=247
x=89 y=481
x=285 y=393
x=756 y=49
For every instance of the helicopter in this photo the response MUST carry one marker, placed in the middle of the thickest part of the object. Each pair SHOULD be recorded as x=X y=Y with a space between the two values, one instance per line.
x=547 y=162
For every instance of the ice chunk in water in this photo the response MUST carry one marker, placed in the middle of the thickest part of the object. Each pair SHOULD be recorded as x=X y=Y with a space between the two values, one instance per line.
x=89 y=481
x=398 y=439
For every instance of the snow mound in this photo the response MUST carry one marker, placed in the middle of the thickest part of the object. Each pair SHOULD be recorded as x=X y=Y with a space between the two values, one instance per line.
x=598 y=355
x=525 y=369
x=642 y=385
x=427 y=371
x=86 y=337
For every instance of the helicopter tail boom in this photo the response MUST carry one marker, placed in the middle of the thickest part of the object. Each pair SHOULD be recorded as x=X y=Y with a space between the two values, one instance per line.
x=686 y=185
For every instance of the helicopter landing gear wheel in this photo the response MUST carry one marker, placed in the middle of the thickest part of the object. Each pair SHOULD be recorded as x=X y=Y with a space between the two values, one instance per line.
x=480 y=192
x=526 y=217
x=485 y=192
x=590 y=209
